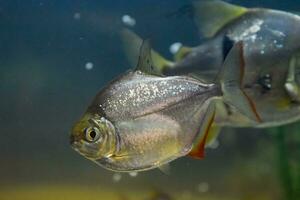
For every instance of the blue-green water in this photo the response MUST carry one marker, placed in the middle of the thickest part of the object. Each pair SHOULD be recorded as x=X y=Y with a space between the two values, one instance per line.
x=45 y=87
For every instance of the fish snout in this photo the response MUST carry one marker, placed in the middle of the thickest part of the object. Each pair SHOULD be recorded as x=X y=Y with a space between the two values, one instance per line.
x=72 y=139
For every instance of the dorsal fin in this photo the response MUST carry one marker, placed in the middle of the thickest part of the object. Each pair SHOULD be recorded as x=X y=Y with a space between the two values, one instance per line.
x=211 y=15
x=132 y=43
x=145 y=61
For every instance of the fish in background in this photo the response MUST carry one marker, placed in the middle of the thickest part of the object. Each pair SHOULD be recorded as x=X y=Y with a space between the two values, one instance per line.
x=144 y=120
x=271 y=73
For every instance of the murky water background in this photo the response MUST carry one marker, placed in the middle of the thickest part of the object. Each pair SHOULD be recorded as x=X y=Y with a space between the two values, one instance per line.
x=56 y=55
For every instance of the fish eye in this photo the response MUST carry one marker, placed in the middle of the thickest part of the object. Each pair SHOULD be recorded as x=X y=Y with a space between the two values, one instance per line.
x=92 y=134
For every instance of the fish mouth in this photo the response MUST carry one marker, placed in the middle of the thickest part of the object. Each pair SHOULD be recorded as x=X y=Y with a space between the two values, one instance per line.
x=74 y=142
x=85 y=150
x=75 y=145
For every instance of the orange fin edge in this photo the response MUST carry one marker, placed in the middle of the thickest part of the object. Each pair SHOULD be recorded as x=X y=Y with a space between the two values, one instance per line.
x=198 y=151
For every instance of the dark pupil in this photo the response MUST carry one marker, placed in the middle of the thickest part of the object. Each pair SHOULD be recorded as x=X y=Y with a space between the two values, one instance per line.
x=93 y=134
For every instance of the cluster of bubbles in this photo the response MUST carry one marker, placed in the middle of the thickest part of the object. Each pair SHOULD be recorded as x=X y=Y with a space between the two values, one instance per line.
x=118 y=176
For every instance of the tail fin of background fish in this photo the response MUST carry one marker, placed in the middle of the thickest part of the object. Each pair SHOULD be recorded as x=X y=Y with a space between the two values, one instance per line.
x=231 y=78
x=132 y=43
x=211 y=15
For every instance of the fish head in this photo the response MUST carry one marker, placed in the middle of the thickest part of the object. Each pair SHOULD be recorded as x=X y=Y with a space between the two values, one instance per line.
x=94 y=137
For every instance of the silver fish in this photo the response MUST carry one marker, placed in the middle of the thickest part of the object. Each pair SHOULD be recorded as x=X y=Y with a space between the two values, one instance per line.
x=142 y=121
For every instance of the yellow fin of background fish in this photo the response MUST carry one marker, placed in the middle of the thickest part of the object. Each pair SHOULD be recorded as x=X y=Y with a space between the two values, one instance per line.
x=213 y=134
x=231 y=79
x=131 y=45
x=211 y=15
x=291 y=85
x=182 y=53
x=199 y=144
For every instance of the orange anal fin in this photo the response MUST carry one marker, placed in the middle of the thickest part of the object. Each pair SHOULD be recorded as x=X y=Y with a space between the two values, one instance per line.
x=198 y=151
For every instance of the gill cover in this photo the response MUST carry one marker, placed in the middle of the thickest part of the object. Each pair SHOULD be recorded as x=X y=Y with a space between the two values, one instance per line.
x=231 y=79
x=109 y=142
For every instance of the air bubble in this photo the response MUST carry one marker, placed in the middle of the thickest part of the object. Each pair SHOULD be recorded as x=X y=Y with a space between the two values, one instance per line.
x=128 y=20
x=117 y=177
x=77 y=16
x=174 y=48
x=203 y=187
x=214 y=145
x=89 y=66
x=133 y=174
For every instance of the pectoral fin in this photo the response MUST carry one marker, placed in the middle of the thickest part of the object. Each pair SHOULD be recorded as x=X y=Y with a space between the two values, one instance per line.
x=132 y=45
x=198 y=150
x=166 y=169
x=232 y=75
x=213 y=134
x=211 y=15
